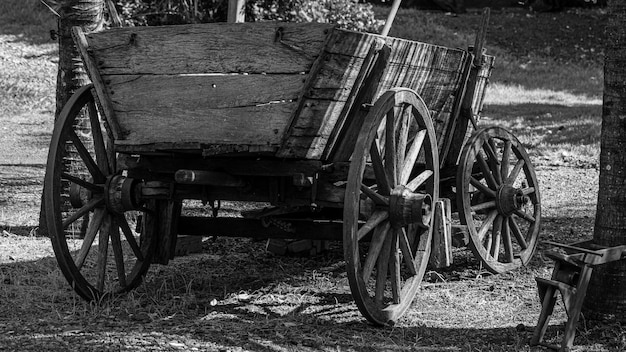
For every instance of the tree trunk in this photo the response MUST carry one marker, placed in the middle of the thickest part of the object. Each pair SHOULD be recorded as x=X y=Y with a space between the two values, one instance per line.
x=71 y=75
x=606 y=298
x=87 y=14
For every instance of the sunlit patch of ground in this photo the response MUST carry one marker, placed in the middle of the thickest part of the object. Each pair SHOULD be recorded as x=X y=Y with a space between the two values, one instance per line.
x=506 y=94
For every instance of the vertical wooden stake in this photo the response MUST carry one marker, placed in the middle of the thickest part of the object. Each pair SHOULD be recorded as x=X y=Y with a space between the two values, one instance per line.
x=441 y=254
x=235 y=11
x=390 y=18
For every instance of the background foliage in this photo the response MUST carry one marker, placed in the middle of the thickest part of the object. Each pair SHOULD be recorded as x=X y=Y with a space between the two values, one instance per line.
x=349 y=14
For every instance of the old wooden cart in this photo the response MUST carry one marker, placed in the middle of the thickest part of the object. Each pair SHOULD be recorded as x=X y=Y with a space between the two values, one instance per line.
x=344 y=135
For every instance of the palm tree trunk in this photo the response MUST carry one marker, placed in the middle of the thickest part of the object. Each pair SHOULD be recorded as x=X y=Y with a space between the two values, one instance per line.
x=71 y=75
x=606 y=298
x=87 y=14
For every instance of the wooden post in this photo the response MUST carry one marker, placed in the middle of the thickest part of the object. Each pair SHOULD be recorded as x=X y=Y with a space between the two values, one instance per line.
x=390 y=18
x=235 y=11
x=441 y=253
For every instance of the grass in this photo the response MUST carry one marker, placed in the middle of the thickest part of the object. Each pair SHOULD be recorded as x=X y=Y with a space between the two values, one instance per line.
x=234 y=296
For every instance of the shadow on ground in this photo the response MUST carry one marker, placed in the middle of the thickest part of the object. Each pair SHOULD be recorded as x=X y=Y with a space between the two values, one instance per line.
x=236 y=297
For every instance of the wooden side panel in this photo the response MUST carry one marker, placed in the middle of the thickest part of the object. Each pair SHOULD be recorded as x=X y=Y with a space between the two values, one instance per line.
x=203 y=109
x=220 y=87
x=208 y=48
x=433 y=71
x=184 y=127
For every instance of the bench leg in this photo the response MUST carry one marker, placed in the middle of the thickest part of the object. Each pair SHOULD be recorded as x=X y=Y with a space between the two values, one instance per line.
x=547 y=307
x=575 y=306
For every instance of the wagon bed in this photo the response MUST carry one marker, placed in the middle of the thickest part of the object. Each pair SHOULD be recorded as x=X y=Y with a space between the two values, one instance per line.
x=282 y=89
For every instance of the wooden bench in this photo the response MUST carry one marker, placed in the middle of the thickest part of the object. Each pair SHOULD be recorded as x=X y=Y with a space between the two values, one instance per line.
x=570 y=277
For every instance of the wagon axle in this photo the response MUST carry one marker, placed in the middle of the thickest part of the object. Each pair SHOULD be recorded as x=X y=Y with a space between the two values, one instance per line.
x=122 y=194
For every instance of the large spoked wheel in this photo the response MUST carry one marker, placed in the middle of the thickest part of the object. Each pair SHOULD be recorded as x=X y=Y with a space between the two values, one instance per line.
x=498 y=199
x=96 y=248
x=392 y=183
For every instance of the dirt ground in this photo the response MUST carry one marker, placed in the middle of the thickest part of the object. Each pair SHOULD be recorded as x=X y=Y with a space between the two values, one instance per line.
x=236 y=297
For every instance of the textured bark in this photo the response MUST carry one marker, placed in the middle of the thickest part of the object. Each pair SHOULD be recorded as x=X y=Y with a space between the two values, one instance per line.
x=87 y=14
x=606 y=298
x=71 y=75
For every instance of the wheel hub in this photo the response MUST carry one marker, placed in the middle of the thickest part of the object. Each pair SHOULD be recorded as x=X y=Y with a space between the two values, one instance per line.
x=509 y=199
x=406 y=207
x=122 y=193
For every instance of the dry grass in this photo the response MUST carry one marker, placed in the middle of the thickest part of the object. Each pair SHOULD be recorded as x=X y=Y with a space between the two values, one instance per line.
x=234 y=296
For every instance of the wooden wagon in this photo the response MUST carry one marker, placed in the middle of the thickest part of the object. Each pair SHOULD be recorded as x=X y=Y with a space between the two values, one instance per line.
x=347 y=136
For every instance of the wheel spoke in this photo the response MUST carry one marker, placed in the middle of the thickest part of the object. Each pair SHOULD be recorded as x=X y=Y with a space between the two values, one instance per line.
x=403 y=136
x=506 y=155
x=85 y=209
x=382 y=180
x=528 y=190
x=407 y=254
x=129 y=237
x=91 y=165
x=90 y=236
x=486 y=171
x=419 y=180
x=515 y=172
x=485 y=205
x=486 y=224
x=493 y=160
x=506 y=240
x=378 y=239
x=381 y=271
x=118 y=253
x=103 y=245
x=377 y=198
x=524 y=215
x=98 y=140
x=377 y=217
x=482 y=187
x=411 y=156
x=517 y=233
x=390 y=149
x=496 y=234
x=79 y=181
x=394 y=269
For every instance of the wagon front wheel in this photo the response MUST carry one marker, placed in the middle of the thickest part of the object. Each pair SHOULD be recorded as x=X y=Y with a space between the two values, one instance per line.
x=498 y=199
x=392 y=183
x=97 y=248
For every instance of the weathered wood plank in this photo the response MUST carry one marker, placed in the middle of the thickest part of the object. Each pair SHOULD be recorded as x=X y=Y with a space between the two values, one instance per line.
x=342 y=139
x=434 y=72
x=99 y=86
x=207 y=48
x=312 y=125
x=150 y=93
x=357 y=44
x=242 y=167
x=481 y=83
x=184 y=124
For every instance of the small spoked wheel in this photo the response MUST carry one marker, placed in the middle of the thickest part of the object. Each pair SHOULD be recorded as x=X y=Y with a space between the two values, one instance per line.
x=392 y=183
x=498 y=199
x=96 y=246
